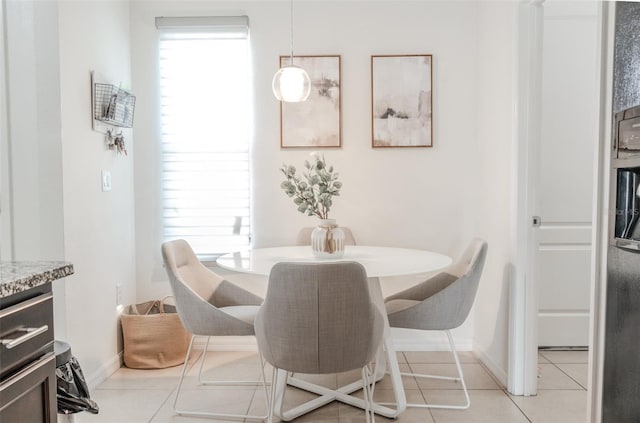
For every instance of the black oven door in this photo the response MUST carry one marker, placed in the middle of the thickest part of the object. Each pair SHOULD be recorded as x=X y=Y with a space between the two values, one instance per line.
x=627 y=133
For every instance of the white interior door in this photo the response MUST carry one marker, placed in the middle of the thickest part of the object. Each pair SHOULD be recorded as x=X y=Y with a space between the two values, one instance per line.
x=569 y=134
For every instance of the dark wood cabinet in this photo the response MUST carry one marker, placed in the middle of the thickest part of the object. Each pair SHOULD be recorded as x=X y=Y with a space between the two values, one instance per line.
x=27 y=360
x=30 y=395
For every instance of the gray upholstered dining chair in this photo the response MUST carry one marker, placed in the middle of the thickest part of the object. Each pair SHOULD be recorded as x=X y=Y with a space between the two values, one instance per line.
x=442 y=303
x=318 y=318
x=208 y=305
x=304 y=236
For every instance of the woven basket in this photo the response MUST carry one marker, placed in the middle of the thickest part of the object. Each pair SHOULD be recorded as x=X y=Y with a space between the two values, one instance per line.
x=154 y=337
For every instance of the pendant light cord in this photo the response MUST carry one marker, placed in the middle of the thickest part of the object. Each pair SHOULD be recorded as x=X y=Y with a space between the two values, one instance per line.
x=291 y=17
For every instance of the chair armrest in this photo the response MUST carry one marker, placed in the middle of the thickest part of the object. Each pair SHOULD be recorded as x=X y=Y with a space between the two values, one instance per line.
x=425 y=289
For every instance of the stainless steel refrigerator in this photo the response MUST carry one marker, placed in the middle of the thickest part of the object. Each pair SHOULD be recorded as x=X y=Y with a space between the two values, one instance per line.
x=621 y=384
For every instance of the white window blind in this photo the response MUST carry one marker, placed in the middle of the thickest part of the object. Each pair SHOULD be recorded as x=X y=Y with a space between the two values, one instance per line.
x=205 y=127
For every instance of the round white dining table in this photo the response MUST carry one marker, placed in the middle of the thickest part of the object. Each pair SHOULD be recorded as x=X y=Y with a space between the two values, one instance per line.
x=378 y=261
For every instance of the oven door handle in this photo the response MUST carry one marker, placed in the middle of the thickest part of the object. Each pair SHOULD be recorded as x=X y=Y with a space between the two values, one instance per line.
x=30 y=334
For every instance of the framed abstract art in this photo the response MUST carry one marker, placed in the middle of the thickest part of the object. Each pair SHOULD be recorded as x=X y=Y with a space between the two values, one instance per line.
x=316 y=122
x=401 y=101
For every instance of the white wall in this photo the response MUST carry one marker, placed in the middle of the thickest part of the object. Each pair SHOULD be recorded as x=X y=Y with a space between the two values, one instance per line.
x=422 y=198
x=98 y=226
x=52 y=177
x=33 y=130
x=31 y=224
x=436 y=198
x=6 y=236
x=494 y=195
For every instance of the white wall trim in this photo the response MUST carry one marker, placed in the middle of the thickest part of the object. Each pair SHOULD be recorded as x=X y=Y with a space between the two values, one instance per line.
x=227 y=343
x=419 y=340
x=403 y=340
x=496 y=370
x=600 y=216
x=98 y=376
x=523 y=339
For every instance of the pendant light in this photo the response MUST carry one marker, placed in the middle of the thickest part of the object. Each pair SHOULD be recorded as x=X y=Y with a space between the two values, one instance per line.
x=291 y=83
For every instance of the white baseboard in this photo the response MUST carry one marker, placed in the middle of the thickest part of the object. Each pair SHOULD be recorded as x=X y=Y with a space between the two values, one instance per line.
x=403 y=340
x=497 y=371
x=419 y=340
x=218 y=343
x=227 y=343
x=107 y=369
x=416 y=340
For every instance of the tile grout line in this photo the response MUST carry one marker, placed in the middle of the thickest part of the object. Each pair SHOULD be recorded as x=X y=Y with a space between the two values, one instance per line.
x=154 y=415
x=174 y=389
x=341 y=413
x=497 y=382
x=549 y=361
x=569 y=376
x=517 y=406
x=490 y=375
x=255 y=391
x=424 y=398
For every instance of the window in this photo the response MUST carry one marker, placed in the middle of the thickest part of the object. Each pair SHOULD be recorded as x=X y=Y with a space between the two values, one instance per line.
x=205 y=127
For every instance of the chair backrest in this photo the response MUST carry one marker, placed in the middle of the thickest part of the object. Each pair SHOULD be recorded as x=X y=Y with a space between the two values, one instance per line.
x=445 y=299
x=199 y=293
x=319 y=318
x=304 y=236
x=472 y=256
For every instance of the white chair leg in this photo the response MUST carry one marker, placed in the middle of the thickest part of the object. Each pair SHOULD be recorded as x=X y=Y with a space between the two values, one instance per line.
x=459 y=367
x=223 y=382
x=267 y=396
x=203 y=414
x=460 y=379
x=278 y=392
x=271 y=397
x=293 y=413
x=202 y=359
x=184 y=371
x=368 y=386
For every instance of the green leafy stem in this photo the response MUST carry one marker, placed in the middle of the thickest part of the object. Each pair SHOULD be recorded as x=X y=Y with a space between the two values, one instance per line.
x=313 y=191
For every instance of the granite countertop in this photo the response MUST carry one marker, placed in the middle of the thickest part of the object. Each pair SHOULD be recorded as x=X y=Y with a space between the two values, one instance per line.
x=18 y=276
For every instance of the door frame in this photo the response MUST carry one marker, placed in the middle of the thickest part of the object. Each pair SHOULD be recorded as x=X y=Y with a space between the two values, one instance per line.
x=523 y=339
x=523 y=309
x=600 y=235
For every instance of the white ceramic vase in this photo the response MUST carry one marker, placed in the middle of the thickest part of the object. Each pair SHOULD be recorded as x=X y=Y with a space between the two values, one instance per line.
x=327 y=240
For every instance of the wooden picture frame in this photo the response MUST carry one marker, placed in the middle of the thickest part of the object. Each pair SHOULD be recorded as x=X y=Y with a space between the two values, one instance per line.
x=402 y=101
x=316 y=122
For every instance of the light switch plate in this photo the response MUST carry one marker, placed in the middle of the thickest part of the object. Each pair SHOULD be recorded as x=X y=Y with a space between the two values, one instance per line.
x=106 y=181
x=119 y=294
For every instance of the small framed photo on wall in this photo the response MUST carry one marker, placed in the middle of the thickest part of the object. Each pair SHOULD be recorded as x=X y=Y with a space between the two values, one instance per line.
x=401 y=101
x=315 y=122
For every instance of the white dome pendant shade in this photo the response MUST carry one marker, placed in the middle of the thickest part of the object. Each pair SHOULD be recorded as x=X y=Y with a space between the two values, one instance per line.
x=291 y=83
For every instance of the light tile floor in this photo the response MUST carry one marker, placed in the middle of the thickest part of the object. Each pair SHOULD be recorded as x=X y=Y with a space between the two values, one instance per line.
x=137 y=396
